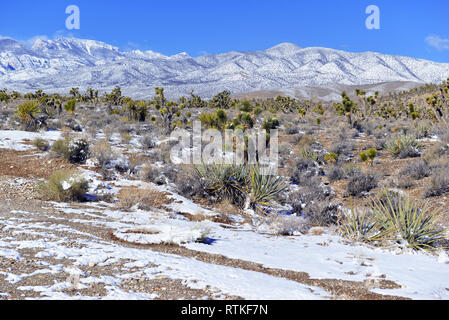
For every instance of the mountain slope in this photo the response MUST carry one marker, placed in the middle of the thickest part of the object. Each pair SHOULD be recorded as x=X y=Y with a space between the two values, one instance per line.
x=58 y=65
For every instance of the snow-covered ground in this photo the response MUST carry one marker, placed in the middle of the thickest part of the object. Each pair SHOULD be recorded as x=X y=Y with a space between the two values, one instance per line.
x=325 y=256
x=19 y=140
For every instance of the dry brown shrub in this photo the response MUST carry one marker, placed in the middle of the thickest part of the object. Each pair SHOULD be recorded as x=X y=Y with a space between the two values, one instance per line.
x=145 y=198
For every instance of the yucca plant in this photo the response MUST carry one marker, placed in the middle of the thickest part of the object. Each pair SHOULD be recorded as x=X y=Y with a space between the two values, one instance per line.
x=308 y=154
x=225 y=181
x=359 y=225
x=405 y=218
x=265 y=187
x=404 y=146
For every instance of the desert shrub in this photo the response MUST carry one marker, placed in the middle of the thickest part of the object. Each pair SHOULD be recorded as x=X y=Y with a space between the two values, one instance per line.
x=371 y=154
x=285 y=149
x=322 y=213
x=404 y=219
x=64 y=185
x=147 y=142
x=125 y=137
x=304 y=170
x=422 y=131
x=189 y=186
x=417 y=170
x=368 y=155
x=404 y=146
x=41 y=144
x=404 y=182
x=335 y=173
x=436 y=152
x=78 y=151
x=363 y=156
x=145 y=199
x=134 y=162
x=439 y=185
x=361 y=183
x=286 y=225
x=342 y=148
x=350 y=169
x=292 y=130
x=61 y=148
x=102 y=151
x=153 y=174
x=380 y=144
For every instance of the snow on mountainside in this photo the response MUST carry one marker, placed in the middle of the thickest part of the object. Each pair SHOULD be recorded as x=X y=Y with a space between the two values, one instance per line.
x=50 y=65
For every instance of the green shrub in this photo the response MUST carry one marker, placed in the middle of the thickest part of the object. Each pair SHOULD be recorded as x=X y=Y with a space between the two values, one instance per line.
x=331 y=157
x=64 y=185
x=363 y=156
x=369 y=154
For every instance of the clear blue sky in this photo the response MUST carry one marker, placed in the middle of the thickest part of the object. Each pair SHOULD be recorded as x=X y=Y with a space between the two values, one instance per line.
x=213 y=26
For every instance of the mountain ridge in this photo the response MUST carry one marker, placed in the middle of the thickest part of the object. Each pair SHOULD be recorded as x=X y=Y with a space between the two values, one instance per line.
x=58 y=65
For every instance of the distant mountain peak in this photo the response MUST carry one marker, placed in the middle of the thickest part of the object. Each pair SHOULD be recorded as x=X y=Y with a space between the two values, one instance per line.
x=56 y=65
x=181 y=55
x=284 y=48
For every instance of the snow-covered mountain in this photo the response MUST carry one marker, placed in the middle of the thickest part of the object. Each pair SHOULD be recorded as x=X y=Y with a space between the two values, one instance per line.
x=58 y=65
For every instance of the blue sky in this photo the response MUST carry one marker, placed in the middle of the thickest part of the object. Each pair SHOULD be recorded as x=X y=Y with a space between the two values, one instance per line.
x=411 y=28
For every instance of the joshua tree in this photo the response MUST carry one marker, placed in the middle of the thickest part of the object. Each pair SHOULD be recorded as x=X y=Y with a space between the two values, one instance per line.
x=222 y=100
x=347 y=107
x=31 y=115
x=439 y=103
x=75 y=92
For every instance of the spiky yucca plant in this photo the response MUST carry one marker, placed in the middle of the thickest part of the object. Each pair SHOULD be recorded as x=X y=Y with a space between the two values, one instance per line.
x=358 y=225
x=264 y=187
x=226 y=181
x=403 y=146
x=405 y=218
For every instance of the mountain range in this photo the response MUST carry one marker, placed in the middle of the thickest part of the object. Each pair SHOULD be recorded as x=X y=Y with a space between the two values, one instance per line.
x=58 y=65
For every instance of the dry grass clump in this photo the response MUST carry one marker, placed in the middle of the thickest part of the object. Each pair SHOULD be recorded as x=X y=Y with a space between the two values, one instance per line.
x=102 y=151
x=41 y=144
x=144 y=198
